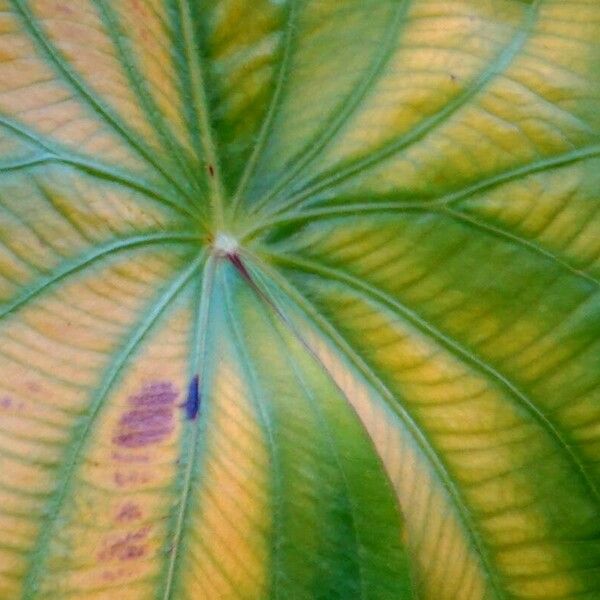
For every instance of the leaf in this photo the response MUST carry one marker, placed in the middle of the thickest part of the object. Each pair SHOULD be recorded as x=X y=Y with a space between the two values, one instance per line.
x=299 y=299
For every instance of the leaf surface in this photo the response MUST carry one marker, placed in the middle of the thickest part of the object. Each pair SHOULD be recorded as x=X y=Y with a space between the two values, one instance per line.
x=299 y=299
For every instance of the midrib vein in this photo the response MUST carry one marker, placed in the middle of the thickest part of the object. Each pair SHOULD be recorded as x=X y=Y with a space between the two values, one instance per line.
x=404 y=417
x=266 y=423
x=200 y=104
x=325 y=429
x=274 y=106
x=191 y=437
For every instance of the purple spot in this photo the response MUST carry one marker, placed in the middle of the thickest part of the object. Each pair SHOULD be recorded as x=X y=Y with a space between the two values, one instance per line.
x=125 y=547
x=130 y=511
x=8 y=403
x=130 y=458
x=130 y=479
x=150 y=418
x=115 y=574
x=192 y=404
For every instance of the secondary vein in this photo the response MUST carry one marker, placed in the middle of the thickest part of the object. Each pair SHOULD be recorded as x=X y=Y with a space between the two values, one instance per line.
x=80 y=435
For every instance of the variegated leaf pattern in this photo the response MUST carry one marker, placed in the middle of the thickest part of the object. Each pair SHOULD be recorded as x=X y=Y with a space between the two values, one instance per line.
x=300 y=299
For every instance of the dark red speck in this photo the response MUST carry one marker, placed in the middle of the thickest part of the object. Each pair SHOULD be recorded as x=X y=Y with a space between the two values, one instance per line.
x=33 y=386
x=235 y=260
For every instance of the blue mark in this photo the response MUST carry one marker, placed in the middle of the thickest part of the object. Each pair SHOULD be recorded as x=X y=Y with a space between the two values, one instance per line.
x=192 y=403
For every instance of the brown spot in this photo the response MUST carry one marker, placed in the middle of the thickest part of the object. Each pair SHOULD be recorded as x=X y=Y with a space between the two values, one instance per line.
x=150 y=418
x=64 y=8
x=33 y=386
x=211 y=170
x=113 y=575
x=453 y=77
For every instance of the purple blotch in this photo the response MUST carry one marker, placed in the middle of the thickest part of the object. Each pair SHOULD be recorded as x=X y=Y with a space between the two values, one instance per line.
x=150 y=418
x=130 y=511
x=8 y=403
x=192 y=403
x=125 y=547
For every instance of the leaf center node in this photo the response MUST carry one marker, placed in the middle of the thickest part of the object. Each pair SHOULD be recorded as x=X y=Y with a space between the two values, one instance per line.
x=225 y=245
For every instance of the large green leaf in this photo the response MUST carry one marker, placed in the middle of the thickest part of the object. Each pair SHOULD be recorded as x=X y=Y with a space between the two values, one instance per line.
x=300 y=299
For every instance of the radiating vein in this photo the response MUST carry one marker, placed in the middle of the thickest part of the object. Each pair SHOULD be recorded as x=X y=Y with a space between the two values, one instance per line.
x=351 y=209
x=326 y=431
x=413 y=429
x=191 y=437
x=545 y=164
x=424 y=127
x=451 y=198
x=456 y=349
x=201 y=109
x=358 y=210
x=267 y=425
x=346 y=109
x=88 y=259
x=81 y=433
x=25 y=163
x=90 y=166
x=144 y=96
x=63 y=68
x=274 y=105
x=530 y=246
